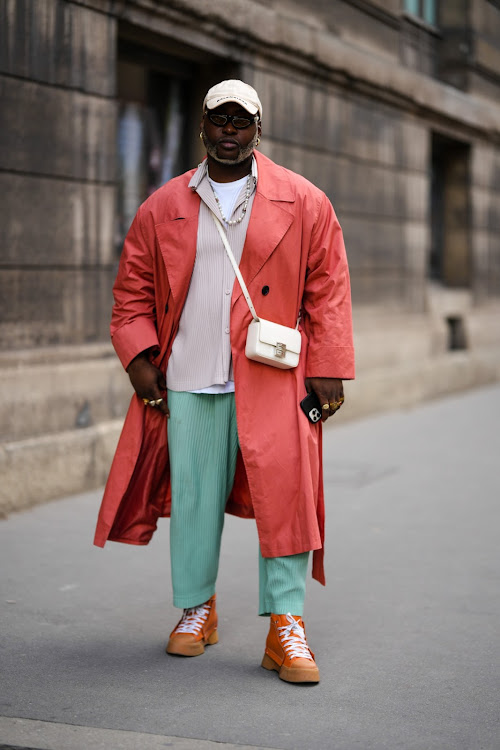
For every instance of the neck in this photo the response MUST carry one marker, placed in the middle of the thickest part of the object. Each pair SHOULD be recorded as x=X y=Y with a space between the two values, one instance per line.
x=228 y=172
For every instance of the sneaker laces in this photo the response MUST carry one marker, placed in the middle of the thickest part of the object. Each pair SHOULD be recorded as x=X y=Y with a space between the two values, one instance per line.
x=193 y=619
x=293 y=639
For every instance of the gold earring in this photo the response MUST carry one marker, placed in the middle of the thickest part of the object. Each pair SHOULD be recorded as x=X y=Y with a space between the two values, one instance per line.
x=258 y=141
x=201 y=135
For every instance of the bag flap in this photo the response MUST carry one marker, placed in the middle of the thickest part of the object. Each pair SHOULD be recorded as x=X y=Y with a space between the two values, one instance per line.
x=273 y=333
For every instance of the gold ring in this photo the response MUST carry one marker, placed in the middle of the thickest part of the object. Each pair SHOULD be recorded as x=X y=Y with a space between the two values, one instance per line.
x=145 y=401
x=158 y=401
x=325 y=406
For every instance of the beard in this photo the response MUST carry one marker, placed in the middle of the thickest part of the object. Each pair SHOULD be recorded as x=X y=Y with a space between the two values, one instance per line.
x=243 y=153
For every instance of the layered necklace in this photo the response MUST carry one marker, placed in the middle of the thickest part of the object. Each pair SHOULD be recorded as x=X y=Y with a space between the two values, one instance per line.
x=248 y=191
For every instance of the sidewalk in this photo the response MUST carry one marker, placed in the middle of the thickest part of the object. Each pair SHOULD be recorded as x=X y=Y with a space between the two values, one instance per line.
x=406 y=633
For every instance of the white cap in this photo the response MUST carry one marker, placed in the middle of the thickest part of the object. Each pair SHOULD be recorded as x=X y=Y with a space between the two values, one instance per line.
x=233 y=91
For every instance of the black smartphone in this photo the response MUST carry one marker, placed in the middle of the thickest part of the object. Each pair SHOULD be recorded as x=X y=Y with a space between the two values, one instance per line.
x=311 y=407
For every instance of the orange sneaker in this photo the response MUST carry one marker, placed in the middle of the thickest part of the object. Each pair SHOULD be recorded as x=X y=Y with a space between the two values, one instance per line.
x=196 y=628
x=287 y=651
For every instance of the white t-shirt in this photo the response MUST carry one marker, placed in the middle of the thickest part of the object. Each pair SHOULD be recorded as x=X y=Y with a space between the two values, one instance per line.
x=227 y=193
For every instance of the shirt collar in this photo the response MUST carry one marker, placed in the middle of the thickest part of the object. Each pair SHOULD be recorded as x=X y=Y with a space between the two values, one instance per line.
x=202 y=172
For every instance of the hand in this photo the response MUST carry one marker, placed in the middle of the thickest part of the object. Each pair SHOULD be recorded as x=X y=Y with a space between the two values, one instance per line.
x=149 y=382
x=330 y=392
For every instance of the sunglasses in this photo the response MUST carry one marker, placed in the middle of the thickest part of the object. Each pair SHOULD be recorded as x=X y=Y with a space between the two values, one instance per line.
x=236 y=121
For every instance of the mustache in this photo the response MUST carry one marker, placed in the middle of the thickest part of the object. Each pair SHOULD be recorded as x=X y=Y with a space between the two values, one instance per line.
x=225 y=139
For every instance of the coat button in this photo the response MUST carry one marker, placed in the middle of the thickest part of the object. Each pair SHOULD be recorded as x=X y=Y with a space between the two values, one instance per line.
x=166 y=308
x=265 y=290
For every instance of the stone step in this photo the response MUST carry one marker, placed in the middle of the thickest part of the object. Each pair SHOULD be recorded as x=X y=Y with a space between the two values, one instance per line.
x=54 y=390
x=52 y=466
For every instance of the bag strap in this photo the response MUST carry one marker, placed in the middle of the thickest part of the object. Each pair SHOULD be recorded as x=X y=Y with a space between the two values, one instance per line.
x=235 y=266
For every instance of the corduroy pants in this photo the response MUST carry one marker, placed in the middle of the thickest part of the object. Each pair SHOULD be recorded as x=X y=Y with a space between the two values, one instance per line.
x=203 y=446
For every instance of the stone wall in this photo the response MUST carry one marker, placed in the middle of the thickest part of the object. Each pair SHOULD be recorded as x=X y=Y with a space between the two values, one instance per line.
x=373 y=164
x=485 y=180
x=338 y=109
x=470 y=51
x=57 y=172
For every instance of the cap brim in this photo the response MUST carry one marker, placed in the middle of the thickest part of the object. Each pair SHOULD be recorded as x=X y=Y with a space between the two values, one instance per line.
x=216 y=101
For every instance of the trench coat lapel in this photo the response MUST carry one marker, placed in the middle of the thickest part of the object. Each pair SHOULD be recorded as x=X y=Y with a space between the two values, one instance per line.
x=177 y=241
x=272 y=215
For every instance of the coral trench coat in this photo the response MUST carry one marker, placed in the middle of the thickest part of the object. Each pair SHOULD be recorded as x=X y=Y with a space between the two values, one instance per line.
x=294 y=246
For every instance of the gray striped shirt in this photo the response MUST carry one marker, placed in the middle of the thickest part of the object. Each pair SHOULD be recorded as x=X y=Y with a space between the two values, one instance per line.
x=201 y=352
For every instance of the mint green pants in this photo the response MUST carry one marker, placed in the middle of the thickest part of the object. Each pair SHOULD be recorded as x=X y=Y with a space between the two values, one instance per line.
x=203 y=445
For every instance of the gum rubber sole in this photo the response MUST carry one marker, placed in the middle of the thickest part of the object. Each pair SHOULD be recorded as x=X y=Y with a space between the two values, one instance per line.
x=291 y=674
x=180 y=647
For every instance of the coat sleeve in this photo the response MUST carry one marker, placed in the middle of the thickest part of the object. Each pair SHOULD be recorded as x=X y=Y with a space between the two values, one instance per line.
x=133 y=321
x=326 y=302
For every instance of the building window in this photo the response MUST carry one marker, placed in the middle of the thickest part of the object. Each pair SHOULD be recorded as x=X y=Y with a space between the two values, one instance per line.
x=160 y=86
x=424 y=9
x=450 y=255
x=152 y=117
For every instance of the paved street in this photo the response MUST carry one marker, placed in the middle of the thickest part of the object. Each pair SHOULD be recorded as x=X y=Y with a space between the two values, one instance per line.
x=406 y=633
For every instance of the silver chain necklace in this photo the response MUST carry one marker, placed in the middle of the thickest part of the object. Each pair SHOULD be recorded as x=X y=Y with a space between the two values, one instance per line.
x=248 y=190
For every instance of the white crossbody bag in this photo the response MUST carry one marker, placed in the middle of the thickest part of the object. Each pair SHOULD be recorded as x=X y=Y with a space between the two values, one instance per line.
x=267 y=342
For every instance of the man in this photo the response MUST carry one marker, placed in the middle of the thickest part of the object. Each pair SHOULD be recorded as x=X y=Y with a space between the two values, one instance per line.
x=237 y=439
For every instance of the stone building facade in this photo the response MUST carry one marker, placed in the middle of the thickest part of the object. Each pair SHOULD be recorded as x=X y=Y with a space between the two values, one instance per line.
x=392 y=107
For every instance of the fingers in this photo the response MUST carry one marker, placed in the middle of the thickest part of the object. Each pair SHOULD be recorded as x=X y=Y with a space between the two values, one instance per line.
x=330 y=392
x=160 y=404
x=163 y=407
x=152 y=389
x=330 y=404
x=335 y=405
x=149 y=384
x=325 y=412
